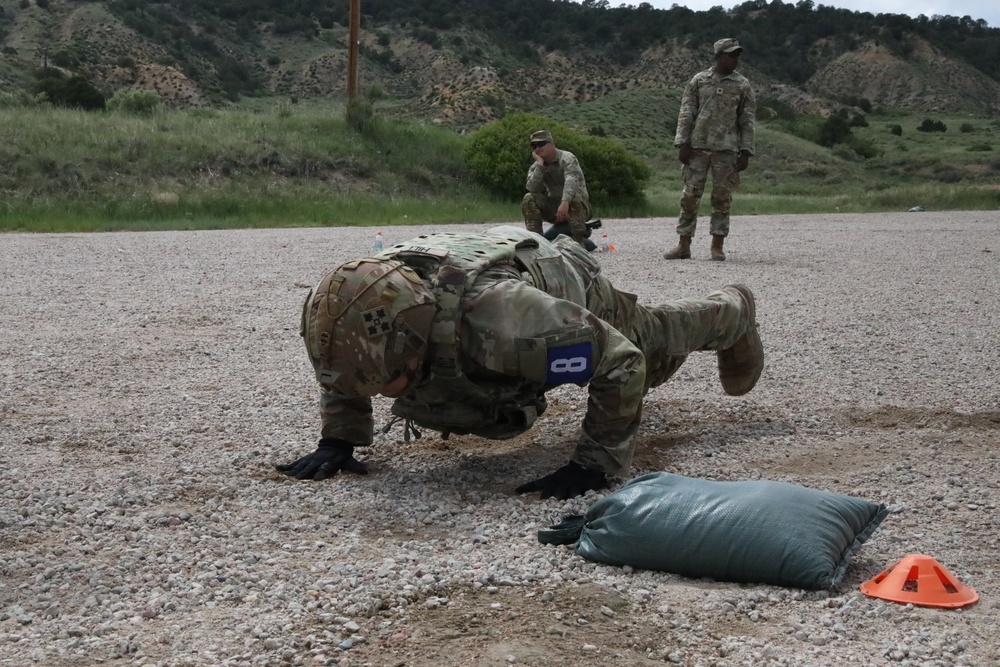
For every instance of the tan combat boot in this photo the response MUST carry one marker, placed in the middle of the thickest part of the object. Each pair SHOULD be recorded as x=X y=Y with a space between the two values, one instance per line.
x=740 y=365
x=533 y=226
x=681 y=251
x=717 y=254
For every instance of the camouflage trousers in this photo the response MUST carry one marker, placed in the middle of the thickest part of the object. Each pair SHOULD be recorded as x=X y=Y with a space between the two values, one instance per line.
x=539 y=208
x=665 y=334
x=669 y=332
x=725 y=179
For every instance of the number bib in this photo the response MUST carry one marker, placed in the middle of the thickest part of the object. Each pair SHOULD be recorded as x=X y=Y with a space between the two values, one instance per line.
x=570 y=364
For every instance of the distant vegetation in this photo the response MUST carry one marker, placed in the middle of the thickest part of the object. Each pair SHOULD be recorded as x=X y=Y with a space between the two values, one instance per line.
x=138 y=168
x=782 y=37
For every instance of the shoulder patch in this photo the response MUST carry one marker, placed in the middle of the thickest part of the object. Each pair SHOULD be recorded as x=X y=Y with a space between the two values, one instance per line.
x=572 y=363
x=566 y=357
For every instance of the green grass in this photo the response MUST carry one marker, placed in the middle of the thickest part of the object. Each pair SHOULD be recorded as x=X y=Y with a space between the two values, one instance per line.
x=272 y=163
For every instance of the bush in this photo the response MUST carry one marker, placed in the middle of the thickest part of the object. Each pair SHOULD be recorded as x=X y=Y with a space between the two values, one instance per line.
x=498 y=156
x=946 y=174
x=932 y=126
x=138 y=102
x=896 y=130
x=361 y=116
x=865 y=149
x=980 y=148
x=967 y=127
x=21 y=98
x=835 y=130
x=74 y=92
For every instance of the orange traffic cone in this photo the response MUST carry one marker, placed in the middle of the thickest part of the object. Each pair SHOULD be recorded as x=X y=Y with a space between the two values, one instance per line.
x=919 y=580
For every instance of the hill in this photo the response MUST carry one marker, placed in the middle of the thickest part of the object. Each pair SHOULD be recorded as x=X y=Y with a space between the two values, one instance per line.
x=464 y=62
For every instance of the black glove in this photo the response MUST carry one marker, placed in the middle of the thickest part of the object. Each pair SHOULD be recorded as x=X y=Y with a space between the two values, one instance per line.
x=570 y=480
x=332 y=456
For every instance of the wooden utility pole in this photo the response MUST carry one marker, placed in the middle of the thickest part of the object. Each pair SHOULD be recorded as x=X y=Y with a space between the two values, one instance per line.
x=352 y=51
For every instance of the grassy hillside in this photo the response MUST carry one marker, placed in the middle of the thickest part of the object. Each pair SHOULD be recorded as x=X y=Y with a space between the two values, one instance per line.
x=286 y=165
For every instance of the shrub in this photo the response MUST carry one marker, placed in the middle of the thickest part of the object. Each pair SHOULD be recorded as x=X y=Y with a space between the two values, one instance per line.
x=361 y=116
x=859 y=120
x=835 y=130
x=865 y=149
x=498 y=156
x=966 y=128
x=770 y=108
x=74 y=92
x=932 y=126
x=21 y=98
x=946 y=174
x=896 y=130
x=980 y=148
x=138 y=102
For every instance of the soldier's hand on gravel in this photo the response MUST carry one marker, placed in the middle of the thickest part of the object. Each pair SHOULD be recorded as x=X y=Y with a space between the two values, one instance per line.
x=332 y=456
x=569 y=481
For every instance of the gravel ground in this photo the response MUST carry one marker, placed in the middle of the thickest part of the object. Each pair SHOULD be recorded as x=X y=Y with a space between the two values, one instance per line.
x=150 y=381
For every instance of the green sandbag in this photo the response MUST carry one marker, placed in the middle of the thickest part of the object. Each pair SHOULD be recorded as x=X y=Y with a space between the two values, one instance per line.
x=749 y=532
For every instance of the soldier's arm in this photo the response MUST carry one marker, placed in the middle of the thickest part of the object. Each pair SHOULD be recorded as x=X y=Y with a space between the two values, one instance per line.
x=746 y=120
x=347 y=423
x=535 y=182
x=558 y=342
x=348 y=419
x=687 y=114
x=573 y=180
x=614 y=406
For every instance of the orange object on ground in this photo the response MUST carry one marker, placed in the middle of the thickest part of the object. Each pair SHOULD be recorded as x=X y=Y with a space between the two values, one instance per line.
x=920 y=580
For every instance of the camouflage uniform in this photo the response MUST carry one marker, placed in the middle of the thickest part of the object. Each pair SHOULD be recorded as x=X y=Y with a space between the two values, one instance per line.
x=716 y=118
x=531 y=316
x=549 y=185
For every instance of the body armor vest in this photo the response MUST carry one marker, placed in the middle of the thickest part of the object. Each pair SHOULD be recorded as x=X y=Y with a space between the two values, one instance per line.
x=446 y=400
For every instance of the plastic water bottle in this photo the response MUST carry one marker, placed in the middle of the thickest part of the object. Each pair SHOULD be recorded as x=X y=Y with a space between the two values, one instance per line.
x=605 y=245
x=378 y=241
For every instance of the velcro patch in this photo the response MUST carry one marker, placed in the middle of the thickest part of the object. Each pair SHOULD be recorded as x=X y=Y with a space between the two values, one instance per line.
x=570 y=364
x=376 y=322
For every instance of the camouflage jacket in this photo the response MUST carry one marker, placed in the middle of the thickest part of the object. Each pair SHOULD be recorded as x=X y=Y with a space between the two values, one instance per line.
x=523 y=327
x=717 y=113
x=561 y=180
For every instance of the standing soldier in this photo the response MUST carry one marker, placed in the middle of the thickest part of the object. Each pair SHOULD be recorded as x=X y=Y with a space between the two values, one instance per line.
x=468 y=331
x=715 y=130
x=557 y=192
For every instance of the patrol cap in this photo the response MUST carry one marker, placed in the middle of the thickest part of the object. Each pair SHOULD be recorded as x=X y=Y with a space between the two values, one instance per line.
x=540 y=136
x=364 y=322
x=727 y=45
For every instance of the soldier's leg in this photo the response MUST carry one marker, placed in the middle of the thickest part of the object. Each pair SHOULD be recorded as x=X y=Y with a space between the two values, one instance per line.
x=579 y=214
x=694 y=175
x=537 y=208
x=725 y=179
x=724 y=321
x=555 y=230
